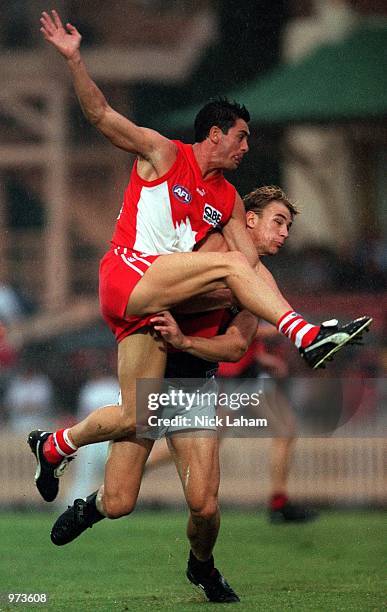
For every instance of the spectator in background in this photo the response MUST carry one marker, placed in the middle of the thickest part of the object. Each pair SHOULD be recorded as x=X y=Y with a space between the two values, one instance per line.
x=28 y=399
x=17 y=31
x=371 y=256
x=11 y=308
x=8 y=360
x=268 y=369
x=317 y=269
x=8 y=355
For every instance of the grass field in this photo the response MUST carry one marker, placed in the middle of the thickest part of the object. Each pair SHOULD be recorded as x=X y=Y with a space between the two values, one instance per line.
x=336 y=563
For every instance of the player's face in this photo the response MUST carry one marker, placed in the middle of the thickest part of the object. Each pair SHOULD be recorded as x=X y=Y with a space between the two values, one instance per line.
x=234 y=145
x=270 y=230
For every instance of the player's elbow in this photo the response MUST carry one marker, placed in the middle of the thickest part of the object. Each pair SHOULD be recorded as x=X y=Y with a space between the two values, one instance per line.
x=96 y=114
x=237 y=350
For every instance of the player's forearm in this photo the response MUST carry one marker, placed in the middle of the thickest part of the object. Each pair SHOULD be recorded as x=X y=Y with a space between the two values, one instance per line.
x=219 y=348
x=220 y=298
x=91 y=98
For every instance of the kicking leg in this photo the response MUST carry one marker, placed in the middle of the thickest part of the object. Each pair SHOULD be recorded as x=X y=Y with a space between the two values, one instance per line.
x=174 y=278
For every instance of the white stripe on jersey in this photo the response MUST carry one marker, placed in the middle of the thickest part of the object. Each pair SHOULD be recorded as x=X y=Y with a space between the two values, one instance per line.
x=128 y=263
x=155 y=231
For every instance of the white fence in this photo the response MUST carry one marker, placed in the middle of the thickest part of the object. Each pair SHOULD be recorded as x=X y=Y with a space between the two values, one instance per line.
x=328 y=471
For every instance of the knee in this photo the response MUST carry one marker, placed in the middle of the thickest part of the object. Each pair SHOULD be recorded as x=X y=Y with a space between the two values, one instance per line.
x=205 y=510
x=116 y=506
x=127 y=424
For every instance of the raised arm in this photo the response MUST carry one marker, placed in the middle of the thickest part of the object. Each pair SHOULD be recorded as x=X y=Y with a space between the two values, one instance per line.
x=230 y=346
x=236 y=234
x=148 y=144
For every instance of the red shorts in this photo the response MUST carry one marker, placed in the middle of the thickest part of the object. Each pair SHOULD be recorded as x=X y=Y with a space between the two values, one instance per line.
x=119 y=272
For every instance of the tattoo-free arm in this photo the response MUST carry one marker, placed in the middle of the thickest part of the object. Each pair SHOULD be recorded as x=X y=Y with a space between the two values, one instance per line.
x=230 y=346
x=148 y=144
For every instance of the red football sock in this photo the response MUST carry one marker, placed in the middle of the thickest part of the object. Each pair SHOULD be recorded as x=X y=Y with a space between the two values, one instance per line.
x=57 y=446
x=300 y=332
x=278 y=501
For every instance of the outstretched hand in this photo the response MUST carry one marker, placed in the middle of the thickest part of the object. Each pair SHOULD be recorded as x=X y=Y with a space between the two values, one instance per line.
x=66 y=41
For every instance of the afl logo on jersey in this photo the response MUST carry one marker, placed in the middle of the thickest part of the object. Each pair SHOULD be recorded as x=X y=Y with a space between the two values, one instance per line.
x=182 y=194
x=211 y=215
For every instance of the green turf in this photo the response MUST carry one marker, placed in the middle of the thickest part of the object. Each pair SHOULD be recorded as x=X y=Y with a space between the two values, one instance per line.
x=336 y=563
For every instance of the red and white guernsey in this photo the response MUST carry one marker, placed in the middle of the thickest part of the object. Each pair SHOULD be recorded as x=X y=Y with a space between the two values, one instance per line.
x=174 y=212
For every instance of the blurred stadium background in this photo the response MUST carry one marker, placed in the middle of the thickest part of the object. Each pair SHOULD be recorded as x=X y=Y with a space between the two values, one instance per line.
x=314 y=76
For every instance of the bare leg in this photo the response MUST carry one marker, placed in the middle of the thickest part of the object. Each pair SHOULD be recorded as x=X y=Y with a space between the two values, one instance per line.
x=284 y=423
x=281 y=453
x=123 y=475
x=170 y=279
x=280 y=456
x=139 y=356
x=160 y=456
x=174 y=278
x=116 y=497
x=197 y=461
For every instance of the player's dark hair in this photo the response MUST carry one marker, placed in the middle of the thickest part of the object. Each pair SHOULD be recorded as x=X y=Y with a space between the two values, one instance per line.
x=261 y=197
x=220 y=112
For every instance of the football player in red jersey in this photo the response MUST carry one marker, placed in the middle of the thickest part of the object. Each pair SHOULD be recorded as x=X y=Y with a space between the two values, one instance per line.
x=151 y=266
x=200 y=343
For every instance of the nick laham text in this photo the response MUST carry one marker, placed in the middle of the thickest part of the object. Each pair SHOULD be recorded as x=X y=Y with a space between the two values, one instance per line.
x=205 y=421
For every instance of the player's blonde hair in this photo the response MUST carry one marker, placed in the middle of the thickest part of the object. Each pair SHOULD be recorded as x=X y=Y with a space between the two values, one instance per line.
x=261 y=197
